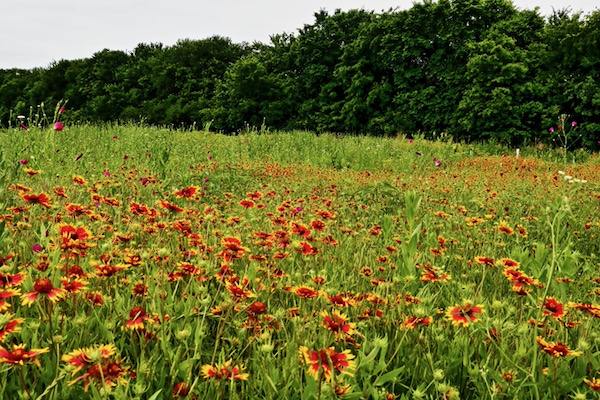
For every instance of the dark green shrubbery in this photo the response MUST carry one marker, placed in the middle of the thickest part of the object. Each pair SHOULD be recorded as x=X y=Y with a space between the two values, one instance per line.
x=477 y=69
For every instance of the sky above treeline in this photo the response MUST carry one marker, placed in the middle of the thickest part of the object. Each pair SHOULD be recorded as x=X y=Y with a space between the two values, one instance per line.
x=35 y=33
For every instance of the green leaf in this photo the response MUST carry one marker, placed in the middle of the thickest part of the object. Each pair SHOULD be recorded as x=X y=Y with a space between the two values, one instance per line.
x=388 y=376
x=311 y=388
x=368 y=359
x=567 y=387
x=155 y=395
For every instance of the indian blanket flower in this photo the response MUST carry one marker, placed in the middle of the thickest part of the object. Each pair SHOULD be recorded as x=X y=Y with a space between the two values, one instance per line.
x=509 y=263
x=594 y=384
x=557 y=349
x=80 y=180
x=305 y=292
x=19 y=356
x=307 y=249
x=553 y=308
x=239 y=291
x=521 y=231
x=187 y=192
x=74 y=237
x=338 y=323
x=504 y=227
x=95 y=298
x=88 y=356
x=257 y=308
x=300 y=230
x=101 y=366
x=181 y=390
x=77 y=209
x=323 y=363
x=137 y=317
x=224 y=371
x=233 y=249
x=6 y=294
x=8 y=325
x=41 y=199
x=488 y=261
x=73 y=284
x=3 y=261
x=592 y=309
x=9 y=280
x=106 y=269
x=247 y=204
x=519 y=278
x=318 y=225
x=464 y=314
x=31 y=171
x=431 y=274
x=43 y=288
x=414 y=321
x=254 y=195
x=139 y=289
x=340 y=389
x=170 y=207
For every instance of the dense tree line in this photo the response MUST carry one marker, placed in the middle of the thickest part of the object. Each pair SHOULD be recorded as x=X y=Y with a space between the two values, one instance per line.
x=476 y=69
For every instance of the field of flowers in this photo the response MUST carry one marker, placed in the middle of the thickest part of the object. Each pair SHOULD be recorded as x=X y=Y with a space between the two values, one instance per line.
x=145 y=263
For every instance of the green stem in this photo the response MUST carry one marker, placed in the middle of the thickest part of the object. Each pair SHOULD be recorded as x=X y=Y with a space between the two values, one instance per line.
x=23 y=383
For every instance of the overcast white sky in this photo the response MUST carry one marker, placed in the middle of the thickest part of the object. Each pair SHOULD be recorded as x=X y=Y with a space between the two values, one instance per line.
x=33 y=33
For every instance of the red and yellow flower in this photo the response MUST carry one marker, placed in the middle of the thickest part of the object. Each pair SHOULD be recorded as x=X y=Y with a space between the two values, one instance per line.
x=305 y=292
x=338 y=323
x=464 y=314
x=414 y=321
x=6 y=294
x=74 y=285
x=505 y=228
x=19 y=356
x=553 y=308
x=594 y=384
x=41 y=199
x=137 y=317
x=79 y=180
x=43 y=288
x=87 y=356
x=187 y=192
x=592 y=309
x=3 y=261
x=9 y=325
x=557 y=349
x=232 y=250
x=182 y=390
x=100 y=366
x=224 y=372
x=322 y=364
x=74 y=237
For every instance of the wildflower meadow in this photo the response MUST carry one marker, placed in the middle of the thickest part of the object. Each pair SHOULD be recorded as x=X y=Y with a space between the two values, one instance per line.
x=150 y=263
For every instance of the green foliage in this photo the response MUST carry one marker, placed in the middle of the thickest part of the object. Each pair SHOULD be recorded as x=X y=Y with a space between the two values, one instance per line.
x=477 y=69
